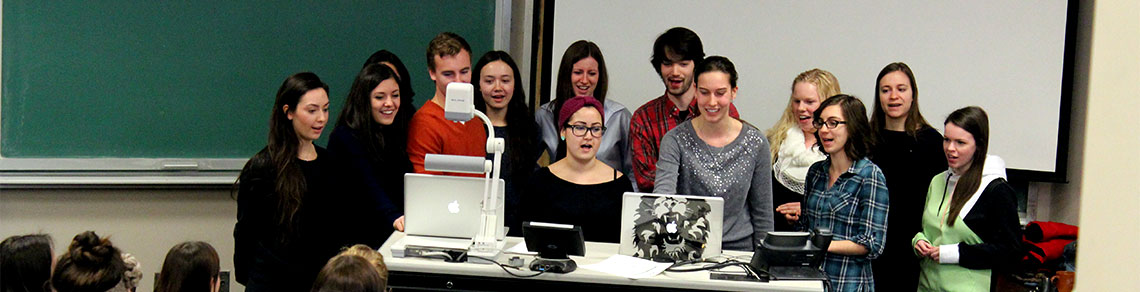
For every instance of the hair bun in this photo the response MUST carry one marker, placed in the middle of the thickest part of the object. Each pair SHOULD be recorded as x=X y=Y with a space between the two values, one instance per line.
x=87 y=247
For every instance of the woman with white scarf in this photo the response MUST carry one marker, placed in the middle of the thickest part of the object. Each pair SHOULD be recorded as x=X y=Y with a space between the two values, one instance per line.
x=793 y=143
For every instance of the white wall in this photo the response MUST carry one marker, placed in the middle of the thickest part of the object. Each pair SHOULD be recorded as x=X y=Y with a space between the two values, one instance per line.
x=1110 y=204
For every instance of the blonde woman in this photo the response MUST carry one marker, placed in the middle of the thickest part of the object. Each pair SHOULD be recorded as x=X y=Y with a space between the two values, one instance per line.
x=793 y=143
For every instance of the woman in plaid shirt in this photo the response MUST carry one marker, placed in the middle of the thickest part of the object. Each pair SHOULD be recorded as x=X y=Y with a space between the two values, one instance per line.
x=846 y=194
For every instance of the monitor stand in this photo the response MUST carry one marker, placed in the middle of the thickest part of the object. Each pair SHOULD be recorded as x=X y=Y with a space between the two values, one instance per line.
x=561 y=266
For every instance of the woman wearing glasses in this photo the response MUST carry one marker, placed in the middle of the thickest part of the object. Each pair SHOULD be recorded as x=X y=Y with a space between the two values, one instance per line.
x=846 y=194
x=719 y=156
x=579 y=189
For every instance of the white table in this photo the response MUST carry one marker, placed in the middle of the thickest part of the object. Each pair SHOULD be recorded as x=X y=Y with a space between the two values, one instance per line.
x=435 y=274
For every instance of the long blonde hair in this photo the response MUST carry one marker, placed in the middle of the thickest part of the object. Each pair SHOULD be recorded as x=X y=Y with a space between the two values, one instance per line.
x=826 y=85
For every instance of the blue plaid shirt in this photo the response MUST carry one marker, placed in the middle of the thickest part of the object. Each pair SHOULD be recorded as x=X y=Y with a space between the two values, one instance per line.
x=855 y=209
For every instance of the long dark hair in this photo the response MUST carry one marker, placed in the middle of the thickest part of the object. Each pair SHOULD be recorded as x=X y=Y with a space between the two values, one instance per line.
x=357 y=113
x=975 y=121
x=348 y=273
x=189 y=267
x=407 y=93
x=565 y=90
x=914 y=119
x=25 y=263
x=859 y=139
x=521 y=128
x=281 y=152
x=89 y=264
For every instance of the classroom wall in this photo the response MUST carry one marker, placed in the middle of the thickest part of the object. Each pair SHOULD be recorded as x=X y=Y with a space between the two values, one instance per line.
x=143 y=222
x=1106 y=255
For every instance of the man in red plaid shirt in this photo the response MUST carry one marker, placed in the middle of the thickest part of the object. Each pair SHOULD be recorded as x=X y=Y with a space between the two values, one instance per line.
x=675 y=54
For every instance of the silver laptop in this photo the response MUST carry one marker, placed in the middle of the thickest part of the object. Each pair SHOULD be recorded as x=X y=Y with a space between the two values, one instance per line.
x=671 y=227
x=445 y=206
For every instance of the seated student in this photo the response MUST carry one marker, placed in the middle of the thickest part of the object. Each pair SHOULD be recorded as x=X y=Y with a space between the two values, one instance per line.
x=372 y=256
x=190 y=266
x=349 y=273
x=367 y=146
x=579 y=189
x=675 y=53
x=583 y=73
x=793 y=143
x=25 y=263
x=970 y=224
x=719 y=156
x=504 y=102
x=449 y=60
x=846 y=193
x=407 y=93
x=90 y=263
x=284 y=204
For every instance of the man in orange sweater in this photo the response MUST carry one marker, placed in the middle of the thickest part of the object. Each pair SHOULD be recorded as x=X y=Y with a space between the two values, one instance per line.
x=449 y=60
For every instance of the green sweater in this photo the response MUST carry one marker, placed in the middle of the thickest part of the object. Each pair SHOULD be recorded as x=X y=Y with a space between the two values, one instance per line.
x=984 y=236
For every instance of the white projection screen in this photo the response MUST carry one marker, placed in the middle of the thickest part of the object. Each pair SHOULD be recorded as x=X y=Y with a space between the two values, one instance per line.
x=1009 y=57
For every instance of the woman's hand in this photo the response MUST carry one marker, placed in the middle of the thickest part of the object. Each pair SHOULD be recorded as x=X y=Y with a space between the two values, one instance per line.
x=925 y=249
x=399 y=224
x=791 y=211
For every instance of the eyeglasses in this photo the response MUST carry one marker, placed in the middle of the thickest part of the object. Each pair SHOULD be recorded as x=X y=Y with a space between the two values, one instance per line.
x=580 y=130
x=831 y=124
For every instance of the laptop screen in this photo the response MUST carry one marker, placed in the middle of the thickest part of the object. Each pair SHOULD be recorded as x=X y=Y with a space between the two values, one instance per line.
x=671 y=228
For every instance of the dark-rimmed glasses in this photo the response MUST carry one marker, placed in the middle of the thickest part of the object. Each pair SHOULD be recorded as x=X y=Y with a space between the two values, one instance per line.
x=831 y=124
x=580 y=130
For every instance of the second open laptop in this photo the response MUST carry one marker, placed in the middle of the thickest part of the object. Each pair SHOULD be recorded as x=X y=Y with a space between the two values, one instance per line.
x=440 y=207
x=671 y=228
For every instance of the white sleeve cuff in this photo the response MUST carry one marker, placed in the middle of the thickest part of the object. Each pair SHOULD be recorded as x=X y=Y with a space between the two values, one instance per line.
x=948 y=254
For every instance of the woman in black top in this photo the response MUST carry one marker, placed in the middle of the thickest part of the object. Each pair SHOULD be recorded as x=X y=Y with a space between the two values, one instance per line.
x=579 y=189
x=909 y=151
x=368 y=149
x=495 y=77
x=283 y=204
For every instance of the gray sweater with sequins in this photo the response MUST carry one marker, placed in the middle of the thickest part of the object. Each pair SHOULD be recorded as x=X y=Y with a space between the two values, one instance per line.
x=740 y=173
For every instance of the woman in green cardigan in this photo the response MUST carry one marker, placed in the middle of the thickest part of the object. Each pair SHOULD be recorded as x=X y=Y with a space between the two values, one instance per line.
x=970 y=223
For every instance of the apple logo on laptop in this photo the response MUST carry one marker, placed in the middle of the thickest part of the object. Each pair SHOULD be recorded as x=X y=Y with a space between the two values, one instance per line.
x=453 y=207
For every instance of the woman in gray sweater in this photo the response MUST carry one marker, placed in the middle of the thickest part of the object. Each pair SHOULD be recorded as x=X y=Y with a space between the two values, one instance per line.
x=719 y=156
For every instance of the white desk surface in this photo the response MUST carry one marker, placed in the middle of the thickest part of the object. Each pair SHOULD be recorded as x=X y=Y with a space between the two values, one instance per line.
x=595 y=252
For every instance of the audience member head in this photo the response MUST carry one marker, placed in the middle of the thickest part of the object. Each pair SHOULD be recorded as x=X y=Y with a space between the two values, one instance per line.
x=897 y=101
x=349 y=273
x=189 y=267
x=371 y=255
x=386 y=58
x=90 y=264
x=449 y=60
x=966 y=143
x=581 y=126
x=25 y=263
x=842 y=130
x=582 y=72
x=716 y=88
x=675 y=53
x=809 y=89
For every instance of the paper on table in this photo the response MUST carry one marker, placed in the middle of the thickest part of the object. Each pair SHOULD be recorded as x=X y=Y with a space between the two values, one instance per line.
x=629 y=267
x=520 y=249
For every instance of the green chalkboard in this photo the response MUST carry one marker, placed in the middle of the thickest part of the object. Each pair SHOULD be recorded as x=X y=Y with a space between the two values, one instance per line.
x=195 y=79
